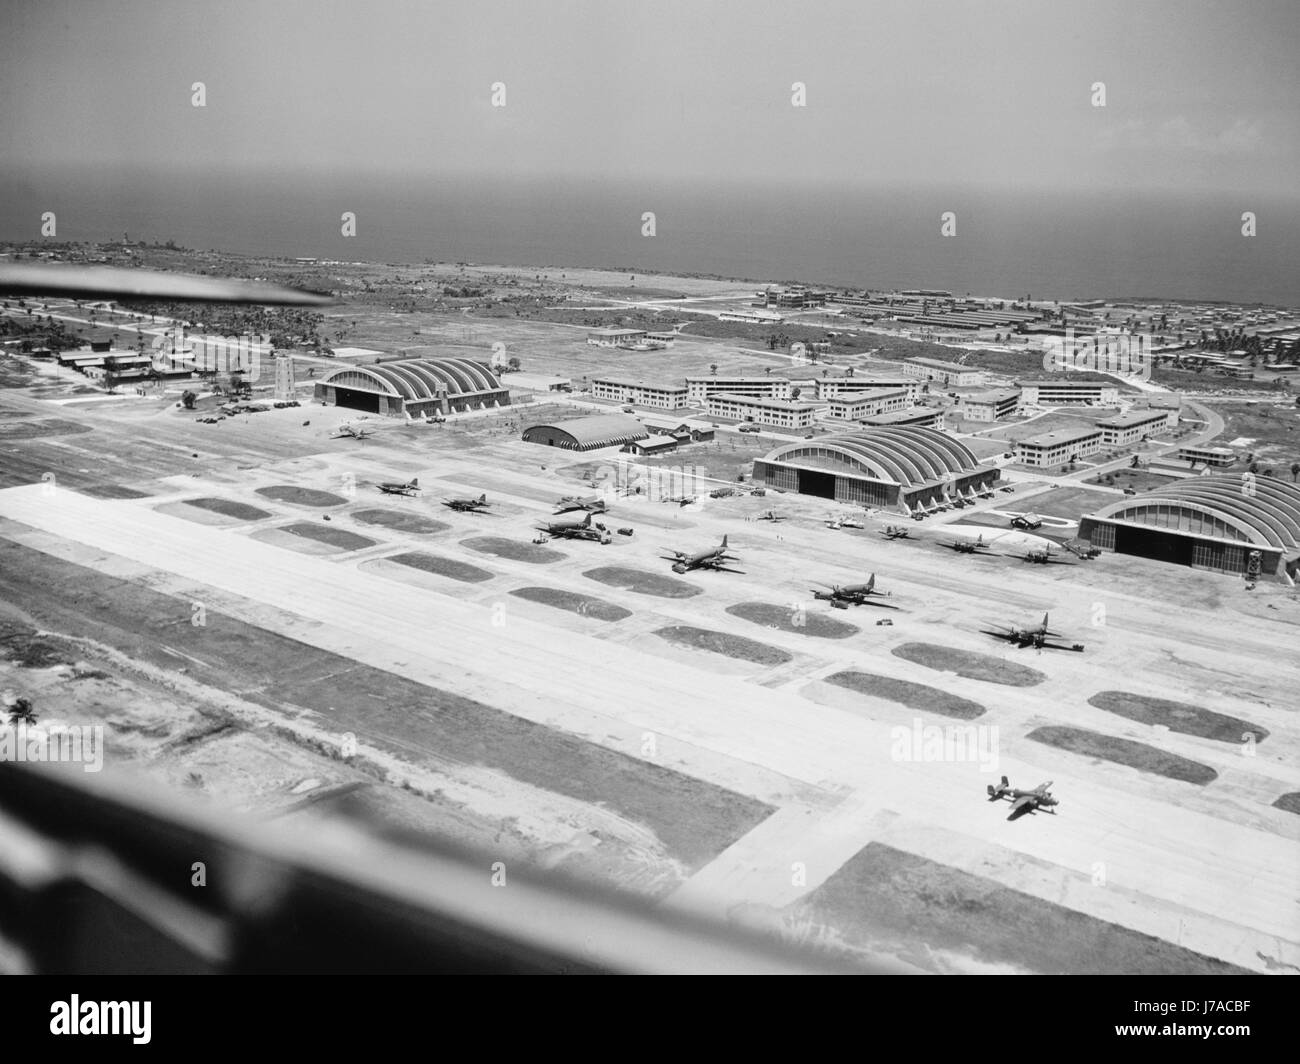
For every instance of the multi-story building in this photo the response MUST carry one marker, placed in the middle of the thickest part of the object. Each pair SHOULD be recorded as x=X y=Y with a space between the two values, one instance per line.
x=925 y=417
x=949 y=374
x=832 y=387
x=698 y=388
x=779 y=413
x=1210 y=456
x=1135 y=425
x=851 y=406
x=1056 y=448
x=1066 y=392
x=990 y=406
x=641 y=393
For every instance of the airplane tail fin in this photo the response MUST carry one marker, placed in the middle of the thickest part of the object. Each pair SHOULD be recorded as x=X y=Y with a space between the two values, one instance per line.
x=724 y=542
x=1044 y=622
x=1006 y=782
x=482 y=499
x=415 y=482
x=872 y=582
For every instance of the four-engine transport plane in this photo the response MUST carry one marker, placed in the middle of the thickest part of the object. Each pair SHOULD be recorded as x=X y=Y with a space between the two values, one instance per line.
x=969 y=546
x=576 y=526
x=474 y=506
x=713 y=558
x=1036 y=637
x=894 y=532
x=1023 y=802
x=593 y=504
x=393 y=487
x=346 y=432
x=842 y=596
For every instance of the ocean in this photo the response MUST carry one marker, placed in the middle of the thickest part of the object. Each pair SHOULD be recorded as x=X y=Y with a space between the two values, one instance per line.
x=1047 y=244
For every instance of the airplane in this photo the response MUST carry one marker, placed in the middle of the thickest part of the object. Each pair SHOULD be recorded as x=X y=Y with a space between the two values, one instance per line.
x=1082 y=549
x=593 y=504
x=842 y=522
x=348 y=432
x=1043 y=556
x=1035 y=637
x=473 y=506
x=705 y=559
x=396 y=488
x=681 y=500
x=1024 y=801
x=895 y=532
x=843 y=596
x=771 y=515
x=575 y=527
x=969 y=546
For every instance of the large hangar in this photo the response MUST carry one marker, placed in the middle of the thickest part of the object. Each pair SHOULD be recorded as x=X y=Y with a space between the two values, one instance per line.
x=588 y=433
x=1215 y=521
x=414 y=386
x=906 y=467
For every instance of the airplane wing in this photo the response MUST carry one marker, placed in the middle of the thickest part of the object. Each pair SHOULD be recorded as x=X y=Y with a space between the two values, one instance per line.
x=1021 y=806
x=1042 y=788
x=98 y=282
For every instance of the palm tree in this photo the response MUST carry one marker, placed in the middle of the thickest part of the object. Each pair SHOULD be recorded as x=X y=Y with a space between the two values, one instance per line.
x=21 y=712
x=1295 y=471
x=713 y=368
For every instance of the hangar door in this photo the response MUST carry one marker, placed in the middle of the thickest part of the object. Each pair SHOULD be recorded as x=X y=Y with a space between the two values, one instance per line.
x=354 y=399
x=814 y=482
x=1157 y=543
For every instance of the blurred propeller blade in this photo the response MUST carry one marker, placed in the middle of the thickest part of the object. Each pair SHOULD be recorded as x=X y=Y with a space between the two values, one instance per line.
x=99 y=282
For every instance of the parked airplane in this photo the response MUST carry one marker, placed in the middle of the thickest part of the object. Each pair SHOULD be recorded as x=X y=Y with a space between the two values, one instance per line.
x=576 y=527
x=846 y=595
x=348 y=432
x=593 y=504
x=969 y=546
x=397 y=488
x=842 y=522
x=771 y=515
x=468 y=505
x=1082 y=548
x=895 y=532
x=1036 y=637
x=1023 y=802
x=705 y=559
x=1044 y=556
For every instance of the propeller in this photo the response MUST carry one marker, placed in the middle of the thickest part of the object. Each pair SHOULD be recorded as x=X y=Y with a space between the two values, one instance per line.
x=91 y=282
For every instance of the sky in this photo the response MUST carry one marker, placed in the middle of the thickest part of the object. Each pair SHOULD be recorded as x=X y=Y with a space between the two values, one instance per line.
x=1200 y=97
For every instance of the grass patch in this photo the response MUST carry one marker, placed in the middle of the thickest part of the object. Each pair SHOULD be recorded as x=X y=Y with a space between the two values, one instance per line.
x=1182 y=717
x=1136 y=755
x=432 y=563
x=301 y=496
x=584 y=605
x=939 y=917
x=515 y=551
x=906 y=693
x=786 y=619
x=229 y=508
x=724 y=643
x=642 y=583
x=969 y=665
x=400 y=521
